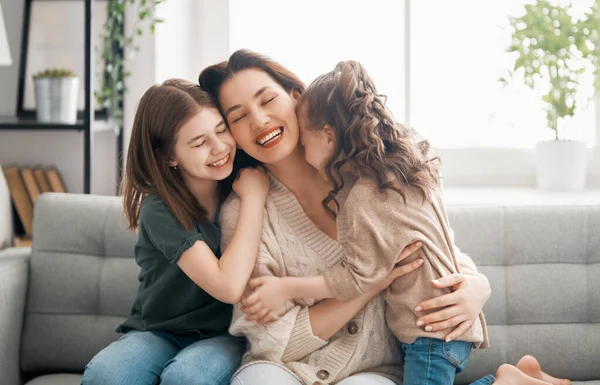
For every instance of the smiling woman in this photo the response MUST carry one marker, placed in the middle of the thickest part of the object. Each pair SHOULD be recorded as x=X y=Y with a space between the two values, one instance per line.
x=260 y=114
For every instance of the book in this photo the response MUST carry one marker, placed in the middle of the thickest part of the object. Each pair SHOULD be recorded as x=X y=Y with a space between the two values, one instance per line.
x=30 y=184
x=20 y=198
x=56 y=182
x=42 y=182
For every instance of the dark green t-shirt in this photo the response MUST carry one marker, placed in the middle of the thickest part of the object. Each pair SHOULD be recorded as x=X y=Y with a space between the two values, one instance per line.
x=167 y=299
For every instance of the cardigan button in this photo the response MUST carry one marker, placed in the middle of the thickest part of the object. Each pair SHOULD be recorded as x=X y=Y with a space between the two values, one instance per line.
x=323 y=374
x=352 y=328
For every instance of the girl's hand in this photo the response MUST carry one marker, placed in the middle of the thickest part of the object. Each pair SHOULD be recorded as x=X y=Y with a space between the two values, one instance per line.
x=251 y=182
x=460 y=308
x=398 y=271
x=269 y=295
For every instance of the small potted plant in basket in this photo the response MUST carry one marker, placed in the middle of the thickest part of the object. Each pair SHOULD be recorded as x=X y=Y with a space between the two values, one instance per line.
x=557 y=47
x=56 y=95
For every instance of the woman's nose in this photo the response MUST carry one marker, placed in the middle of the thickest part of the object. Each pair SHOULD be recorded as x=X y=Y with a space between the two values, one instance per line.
x=260 y=120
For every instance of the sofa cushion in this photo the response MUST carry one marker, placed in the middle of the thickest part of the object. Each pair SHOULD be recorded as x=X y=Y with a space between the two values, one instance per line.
x=543 y=265
x=83 y=280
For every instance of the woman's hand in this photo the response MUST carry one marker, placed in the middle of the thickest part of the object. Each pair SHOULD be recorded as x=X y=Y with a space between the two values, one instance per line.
x=398 y=271
x=459 y=308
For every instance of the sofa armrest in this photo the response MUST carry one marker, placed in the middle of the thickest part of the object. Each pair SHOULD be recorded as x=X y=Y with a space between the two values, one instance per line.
x=14 y=273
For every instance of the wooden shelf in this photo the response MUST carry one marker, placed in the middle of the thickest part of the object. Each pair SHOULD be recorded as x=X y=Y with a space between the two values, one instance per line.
x=14 y=123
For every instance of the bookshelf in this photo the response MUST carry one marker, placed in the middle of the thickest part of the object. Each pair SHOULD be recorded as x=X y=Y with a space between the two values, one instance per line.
x=89 y=120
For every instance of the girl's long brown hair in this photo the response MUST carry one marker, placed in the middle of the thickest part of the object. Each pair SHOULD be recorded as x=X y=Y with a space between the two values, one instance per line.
x=161 y=112
x=366 y=135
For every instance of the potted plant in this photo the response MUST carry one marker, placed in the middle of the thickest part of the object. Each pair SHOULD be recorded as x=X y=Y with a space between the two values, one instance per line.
x=557 y=49
x=56 y=95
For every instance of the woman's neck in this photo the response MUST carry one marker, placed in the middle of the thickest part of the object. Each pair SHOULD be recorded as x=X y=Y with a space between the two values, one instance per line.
x=308 y=187
x=295 y=173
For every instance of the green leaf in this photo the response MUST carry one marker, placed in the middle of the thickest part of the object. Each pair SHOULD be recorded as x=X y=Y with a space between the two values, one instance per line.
x=110 y=95
x=548 y=43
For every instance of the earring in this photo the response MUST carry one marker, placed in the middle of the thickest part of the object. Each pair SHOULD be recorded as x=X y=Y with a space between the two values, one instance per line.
x=174 y=167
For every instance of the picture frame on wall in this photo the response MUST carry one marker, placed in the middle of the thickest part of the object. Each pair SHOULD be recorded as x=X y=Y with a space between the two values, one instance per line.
x=53 y=37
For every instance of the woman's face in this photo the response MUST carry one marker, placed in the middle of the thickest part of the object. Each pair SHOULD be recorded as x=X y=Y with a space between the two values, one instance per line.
x=261 y=115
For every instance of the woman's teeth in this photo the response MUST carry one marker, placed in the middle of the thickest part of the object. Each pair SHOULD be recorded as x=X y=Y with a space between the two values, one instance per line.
x=270 y=137
x=220 y=163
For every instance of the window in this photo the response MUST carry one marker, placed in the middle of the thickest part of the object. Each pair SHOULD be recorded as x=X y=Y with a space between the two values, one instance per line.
x=457 y=57
x=305 y=37
x=484 y=133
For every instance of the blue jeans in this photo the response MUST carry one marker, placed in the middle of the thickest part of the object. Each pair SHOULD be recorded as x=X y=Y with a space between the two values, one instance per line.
x=147 y=358
x=436 y=362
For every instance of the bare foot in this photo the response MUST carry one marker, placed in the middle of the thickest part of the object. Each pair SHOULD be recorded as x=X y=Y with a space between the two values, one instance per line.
x=530 y=366
x=510 y=375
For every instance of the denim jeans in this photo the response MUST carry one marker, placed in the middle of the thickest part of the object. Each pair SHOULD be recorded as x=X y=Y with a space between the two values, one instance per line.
x=436 y=362
x=147 y=358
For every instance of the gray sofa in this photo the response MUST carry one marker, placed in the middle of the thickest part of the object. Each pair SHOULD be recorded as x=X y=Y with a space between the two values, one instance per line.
x=60 y=302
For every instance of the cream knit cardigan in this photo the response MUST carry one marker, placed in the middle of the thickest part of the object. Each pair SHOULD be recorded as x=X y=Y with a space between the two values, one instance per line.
x=292 y=245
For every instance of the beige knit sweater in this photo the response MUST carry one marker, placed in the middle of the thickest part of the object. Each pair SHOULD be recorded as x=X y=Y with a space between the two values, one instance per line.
x=372 y=226
x=292 y=245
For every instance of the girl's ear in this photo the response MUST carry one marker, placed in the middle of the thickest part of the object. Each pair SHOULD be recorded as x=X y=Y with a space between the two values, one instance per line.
x=329 y=136
x=172 y=162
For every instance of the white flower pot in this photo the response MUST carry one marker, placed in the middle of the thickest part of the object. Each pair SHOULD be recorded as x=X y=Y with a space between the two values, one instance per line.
x=561 y=165
x=56 y=99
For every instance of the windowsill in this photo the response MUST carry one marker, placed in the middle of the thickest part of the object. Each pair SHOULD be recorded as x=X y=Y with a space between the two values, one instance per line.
x=489 y=196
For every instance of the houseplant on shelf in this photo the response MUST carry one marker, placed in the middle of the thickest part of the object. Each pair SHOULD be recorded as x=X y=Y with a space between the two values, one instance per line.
x=557 y=50
x=56 y=95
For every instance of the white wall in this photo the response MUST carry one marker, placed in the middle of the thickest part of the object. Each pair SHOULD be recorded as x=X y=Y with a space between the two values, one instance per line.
x=142 y=67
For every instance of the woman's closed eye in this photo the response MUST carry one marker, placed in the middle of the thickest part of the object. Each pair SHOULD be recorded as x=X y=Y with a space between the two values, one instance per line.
x=269 y=100
x=266 y=101
x=238 y=118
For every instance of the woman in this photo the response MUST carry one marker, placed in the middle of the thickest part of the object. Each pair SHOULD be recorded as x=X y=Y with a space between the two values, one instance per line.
x=331 y=341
